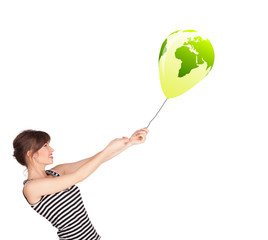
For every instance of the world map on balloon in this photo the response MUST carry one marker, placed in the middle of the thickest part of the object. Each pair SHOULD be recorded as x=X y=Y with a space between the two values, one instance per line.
x=185 y=58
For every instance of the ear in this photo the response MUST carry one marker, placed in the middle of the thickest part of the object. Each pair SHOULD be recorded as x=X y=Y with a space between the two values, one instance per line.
x=29 y=154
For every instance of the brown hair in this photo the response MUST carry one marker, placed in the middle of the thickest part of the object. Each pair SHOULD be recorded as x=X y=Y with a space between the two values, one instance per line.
x=28 y=140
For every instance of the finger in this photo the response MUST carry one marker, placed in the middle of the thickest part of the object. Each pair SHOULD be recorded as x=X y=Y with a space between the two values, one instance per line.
x=146 y=129
x=142 y=131
x=135 y=134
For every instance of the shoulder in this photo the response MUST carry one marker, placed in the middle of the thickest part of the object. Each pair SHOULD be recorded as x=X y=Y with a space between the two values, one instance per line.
x=29 y=194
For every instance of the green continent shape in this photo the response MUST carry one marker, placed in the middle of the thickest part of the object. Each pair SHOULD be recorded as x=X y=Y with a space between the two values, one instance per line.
x=204 y=49
x=174 y=32
x=189 y=31
x=163 y=49
x=188 y=59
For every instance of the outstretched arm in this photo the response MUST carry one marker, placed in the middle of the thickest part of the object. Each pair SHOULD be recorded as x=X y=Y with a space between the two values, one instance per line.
x=67 y=168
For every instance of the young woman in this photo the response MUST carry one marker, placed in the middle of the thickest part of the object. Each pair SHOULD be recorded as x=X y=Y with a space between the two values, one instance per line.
x=53 y=193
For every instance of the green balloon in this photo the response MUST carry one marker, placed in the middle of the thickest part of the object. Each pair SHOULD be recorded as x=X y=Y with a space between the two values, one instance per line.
x=185 y=58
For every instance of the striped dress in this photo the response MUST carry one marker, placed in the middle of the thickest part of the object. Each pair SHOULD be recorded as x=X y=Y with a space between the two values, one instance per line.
x=65 y=211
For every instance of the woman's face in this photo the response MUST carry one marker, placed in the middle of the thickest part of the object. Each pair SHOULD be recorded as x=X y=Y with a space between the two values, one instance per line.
x=44 y=154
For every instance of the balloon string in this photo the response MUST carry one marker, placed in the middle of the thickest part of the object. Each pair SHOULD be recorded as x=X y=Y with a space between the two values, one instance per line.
x=156 y=113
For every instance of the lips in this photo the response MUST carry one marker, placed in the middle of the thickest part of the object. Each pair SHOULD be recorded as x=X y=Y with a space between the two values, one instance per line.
x=51 y=156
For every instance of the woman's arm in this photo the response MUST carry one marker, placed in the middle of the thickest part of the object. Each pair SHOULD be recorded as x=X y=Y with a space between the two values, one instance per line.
x=114 y=148
x=67 y=168
x=35 y=189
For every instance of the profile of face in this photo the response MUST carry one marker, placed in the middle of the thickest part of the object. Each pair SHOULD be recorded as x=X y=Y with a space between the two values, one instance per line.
x=44 y=155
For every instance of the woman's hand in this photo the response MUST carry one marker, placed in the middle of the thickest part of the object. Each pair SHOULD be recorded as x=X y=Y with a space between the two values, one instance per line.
x=139 y=136
x=118 y=145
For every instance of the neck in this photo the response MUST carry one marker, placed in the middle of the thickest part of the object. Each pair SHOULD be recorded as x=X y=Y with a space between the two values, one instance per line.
x=37 y=171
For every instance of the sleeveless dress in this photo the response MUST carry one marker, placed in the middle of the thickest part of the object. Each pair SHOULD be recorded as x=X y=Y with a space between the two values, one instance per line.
x=65 y=210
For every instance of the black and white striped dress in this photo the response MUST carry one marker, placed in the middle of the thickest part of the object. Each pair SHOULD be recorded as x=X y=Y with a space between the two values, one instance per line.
x=65 y=211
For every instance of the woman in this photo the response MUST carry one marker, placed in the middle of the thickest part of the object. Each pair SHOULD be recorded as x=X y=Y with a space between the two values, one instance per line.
x=53 y=193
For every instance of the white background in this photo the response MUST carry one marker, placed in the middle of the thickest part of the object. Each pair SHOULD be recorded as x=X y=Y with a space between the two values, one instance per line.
x=86 y=72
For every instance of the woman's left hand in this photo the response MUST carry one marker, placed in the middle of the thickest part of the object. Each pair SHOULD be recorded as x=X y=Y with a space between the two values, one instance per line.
x=139 y=136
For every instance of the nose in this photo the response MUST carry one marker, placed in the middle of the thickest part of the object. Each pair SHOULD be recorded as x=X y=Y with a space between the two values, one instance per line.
x=51 y=149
